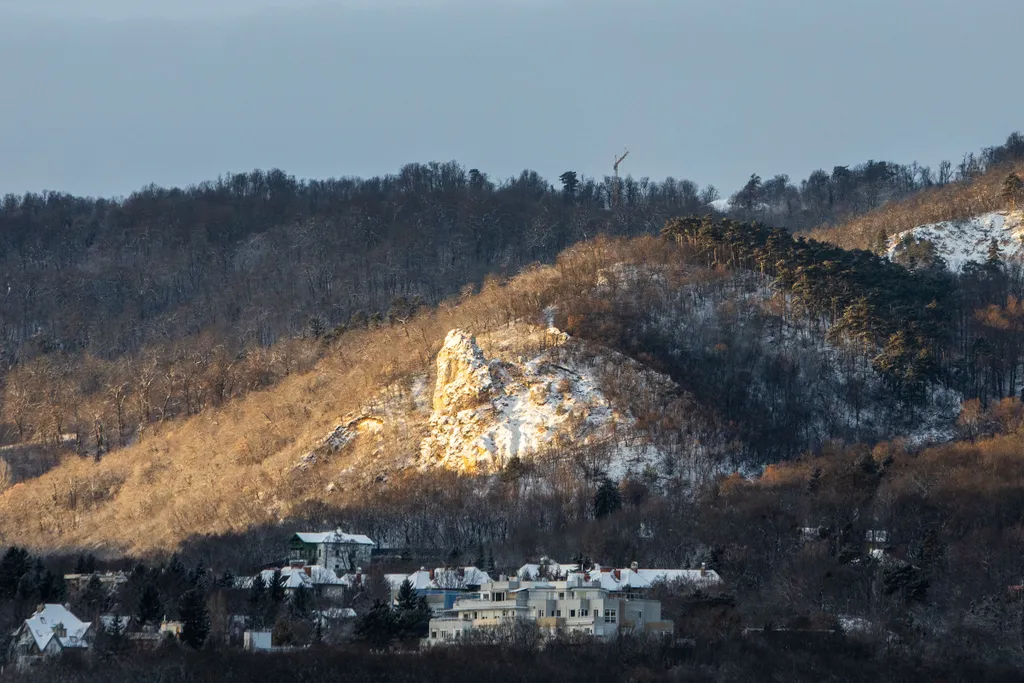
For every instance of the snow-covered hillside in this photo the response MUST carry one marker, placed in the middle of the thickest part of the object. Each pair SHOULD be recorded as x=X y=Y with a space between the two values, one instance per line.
x=488 y=411
x=959 y=242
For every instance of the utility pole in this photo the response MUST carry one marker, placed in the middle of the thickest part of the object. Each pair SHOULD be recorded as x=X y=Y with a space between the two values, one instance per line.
x=615 y=189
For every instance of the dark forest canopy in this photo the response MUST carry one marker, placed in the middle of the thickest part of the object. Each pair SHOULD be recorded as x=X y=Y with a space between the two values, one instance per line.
x=253 y=257
x=169 y=290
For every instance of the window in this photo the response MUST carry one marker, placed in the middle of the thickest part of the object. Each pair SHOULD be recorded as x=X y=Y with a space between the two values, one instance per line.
x=474 y=615
x=558 y=612
x=584 y=613
x=504 y=612
x=433 y=635
x=572 y=613
x=540 y=613
x=609 y=616
x=561 y=596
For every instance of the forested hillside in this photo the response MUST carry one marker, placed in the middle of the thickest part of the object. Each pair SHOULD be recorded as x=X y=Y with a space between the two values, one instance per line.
x=117 y=314
x=458 y=367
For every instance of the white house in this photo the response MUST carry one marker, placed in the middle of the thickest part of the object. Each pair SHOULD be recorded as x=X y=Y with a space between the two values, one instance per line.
x=440 y=586
x=52 y=629
x=336 y=550
x=573 y=606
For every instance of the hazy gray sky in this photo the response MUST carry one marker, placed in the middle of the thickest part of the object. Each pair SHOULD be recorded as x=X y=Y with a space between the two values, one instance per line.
x=105 y=96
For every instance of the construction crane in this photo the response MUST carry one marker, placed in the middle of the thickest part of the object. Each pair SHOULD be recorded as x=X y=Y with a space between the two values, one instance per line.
x=615 y=189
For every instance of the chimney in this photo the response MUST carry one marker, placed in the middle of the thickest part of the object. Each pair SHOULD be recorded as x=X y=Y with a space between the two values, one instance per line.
x=703 y=569
x=431 y=574
x=618 y=575
x=634 y=566
x=309 y=570
x=502 y=577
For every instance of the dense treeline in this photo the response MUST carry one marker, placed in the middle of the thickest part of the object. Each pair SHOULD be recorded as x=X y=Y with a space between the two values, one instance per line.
x=828 y=199
x=922 y=326
x=913 y=554
x=736 y=660
x=116 y=313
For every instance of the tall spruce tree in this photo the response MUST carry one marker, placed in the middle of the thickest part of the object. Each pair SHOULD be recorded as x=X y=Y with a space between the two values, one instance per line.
x=195 y=618
x=149 y=609
x=608 y=499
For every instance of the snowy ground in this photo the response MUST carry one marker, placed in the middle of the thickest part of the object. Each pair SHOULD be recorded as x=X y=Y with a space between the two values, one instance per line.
x=959 y=242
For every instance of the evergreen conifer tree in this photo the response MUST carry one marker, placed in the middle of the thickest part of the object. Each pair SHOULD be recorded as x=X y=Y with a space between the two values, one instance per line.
x=607 y=499
x=195 y=618
x=149 y=609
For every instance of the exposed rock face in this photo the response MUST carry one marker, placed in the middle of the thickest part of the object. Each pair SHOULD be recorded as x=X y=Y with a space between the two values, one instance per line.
x=463 y=376
x=487 y=411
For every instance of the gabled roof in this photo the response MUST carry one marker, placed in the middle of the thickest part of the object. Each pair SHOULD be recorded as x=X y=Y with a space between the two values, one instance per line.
x=41 y=625
x=109 y=621
x=319 y=537
x=296 y=576
x=454 y=578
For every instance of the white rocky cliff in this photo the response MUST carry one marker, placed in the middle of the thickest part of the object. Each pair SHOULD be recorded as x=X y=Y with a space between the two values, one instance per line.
x=487 y=411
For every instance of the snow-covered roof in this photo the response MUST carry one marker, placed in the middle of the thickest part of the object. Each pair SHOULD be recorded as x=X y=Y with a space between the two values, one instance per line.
x=110 y=620
x=295 y=577
x=533 y=570
x=455 y=578
x=42 y=624
x=319 y=537
x=669 y=575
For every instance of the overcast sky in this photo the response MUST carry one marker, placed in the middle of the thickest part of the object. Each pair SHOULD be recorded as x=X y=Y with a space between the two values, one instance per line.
x=103 y=97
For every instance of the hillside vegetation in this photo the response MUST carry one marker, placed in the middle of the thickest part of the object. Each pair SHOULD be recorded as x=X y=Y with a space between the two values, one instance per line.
x=116 y=314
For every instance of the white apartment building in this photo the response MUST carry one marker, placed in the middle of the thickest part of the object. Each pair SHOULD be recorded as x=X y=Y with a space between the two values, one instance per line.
x=573 y=606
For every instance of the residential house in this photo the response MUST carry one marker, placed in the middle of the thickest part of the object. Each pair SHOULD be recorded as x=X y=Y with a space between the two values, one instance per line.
x=320 y=580
x=52 y=629
x=572 y=606
x=338 y=551
x=109 y=580
x=440 y=586
x=622 y=580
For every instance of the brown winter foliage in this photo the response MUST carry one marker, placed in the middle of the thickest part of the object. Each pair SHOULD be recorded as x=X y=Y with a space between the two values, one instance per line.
x=948 y=202
x=232 y=466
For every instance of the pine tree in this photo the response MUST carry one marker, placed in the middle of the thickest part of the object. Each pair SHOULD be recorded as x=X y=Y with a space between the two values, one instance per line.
x=13 y=566
x=491 y=568
x=276 y=587
x=149 y=609
x=378 y=626
x=195 y=618
x=994 y=257
x=480 y=559
x=94 y=598
x=570 y=182
x=1013 y=190
x=406 y=599
x=257 y=597
x=607 y=499
x=300 y=601
x=52 y=588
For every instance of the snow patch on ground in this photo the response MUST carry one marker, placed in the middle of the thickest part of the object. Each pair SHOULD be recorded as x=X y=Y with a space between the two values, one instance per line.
x=959 y=242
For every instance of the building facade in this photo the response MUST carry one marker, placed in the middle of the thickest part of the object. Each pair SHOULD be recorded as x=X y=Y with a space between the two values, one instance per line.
x=335 y=550
x=571 y=607
x=52 y=629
